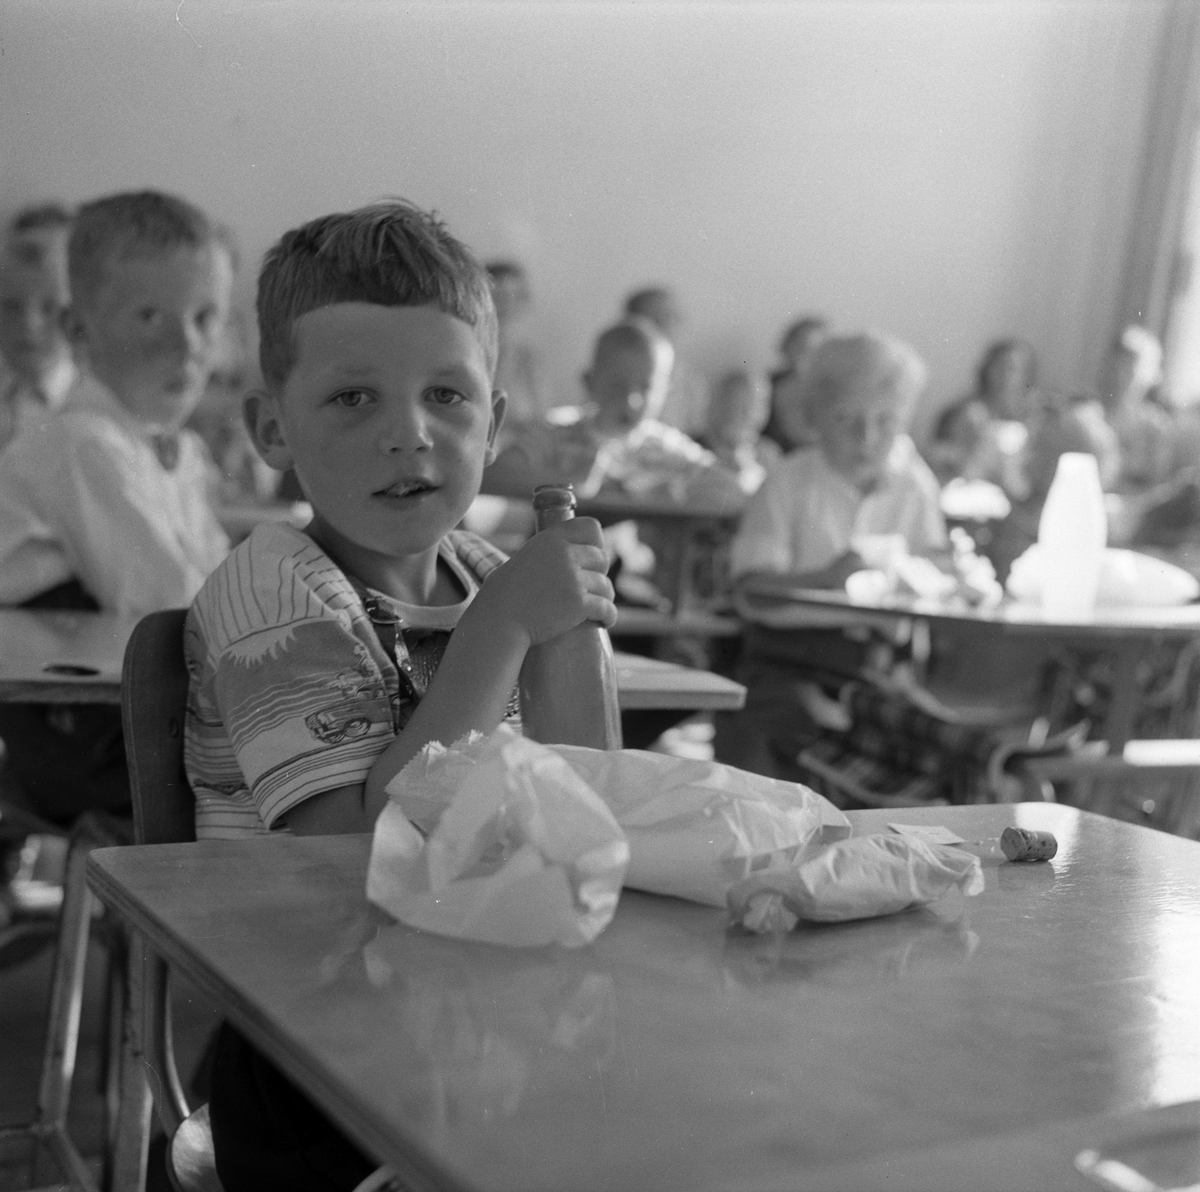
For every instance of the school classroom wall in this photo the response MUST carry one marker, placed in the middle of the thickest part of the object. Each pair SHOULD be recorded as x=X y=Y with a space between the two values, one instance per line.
x=950 y=170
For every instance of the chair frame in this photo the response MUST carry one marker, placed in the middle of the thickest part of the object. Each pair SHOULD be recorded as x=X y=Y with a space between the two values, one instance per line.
x=154 y=685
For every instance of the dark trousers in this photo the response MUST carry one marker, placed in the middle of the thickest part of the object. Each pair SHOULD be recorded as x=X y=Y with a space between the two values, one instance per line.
x=65 y=759
x=267 y=1134
x=767 y=734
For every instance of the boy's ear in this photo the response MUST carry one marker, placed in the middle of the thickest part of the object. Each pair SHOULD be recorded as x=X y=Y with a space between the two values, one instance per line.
x=499 y=407
x=260 y=412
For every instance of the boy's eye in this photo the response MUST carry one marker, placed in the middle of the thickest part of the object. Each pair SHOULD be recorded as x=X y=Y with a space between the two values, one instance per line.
x=351 y=399
x=445 y=397
x=148 y=315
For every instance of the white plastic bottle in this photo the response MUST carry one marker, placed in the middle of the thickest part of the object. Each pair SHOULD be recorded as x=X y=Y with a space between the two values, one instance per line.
x=1072 y=535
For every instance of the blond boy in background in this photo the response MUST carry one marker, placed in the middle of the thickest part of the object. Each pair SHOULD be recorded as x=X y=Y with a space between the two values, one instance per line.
x=801 y=530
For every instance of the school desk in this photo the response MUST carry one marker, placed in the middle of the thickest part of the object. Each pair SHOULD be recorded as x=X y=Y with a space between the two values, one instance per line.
x=685 y=531
x=980 y=1043
x=56 y=657
x=1124 y=638
x=240 y=517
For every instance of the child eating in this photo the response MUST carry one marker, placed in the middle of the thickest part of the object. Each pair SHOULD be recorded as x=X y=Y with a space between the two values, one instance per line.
x=322 y=661
x=616 y=442
x=864 y=477
x=801 y=529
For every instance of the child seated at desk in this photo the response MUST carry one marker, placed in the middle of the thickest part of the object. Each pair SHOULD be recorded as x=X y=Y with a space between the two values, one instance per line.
x=615 y=442
x=736 y=414
x=322 y=661
x=33 y=299
x=103 y=505
x=799 y=531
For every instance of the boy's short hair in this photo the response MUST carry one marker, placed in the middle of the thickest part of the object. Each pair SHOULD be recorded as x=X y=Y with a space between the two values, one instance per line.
x=881 y=361
x=1000 y=348
x=41 y=215
x=635 y=333
x=142 y=223
x=22 y=245
x=390 y=253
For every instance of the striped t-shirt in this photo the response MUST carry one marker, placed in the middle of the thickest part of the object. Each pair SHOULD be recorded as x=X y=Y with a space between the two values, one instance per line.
x=291 y=692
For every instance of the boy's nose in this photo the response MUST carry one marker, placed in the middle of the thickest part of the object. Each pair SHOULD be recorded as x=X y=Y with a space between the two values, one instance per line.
x=406 y=429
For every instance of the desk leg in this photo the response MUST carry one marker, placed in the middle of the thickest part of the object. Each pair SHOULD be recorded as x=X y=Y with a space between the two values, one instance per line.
x=1126 y=695
x=133 y=1118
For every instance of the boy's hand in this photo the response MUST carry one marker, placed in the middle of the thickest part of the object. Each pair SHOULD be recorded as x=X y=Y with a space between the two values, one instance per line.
x=556 y=581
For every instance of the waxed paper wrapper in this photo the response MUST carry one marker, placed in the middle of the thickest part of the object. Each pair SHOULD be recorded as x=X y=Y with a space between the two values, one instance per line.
x=694 y=827
x=860 y=878
x=521 y=851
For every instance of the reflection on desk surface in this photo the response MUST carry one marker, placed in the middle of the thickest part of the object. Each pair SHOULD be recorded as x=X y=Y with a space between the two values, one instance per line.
x=676 y=1053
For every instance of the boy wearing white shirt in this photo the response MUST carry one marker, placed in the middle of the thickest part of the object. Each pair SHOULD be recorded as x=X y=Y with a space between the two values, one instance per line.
x=105 y=504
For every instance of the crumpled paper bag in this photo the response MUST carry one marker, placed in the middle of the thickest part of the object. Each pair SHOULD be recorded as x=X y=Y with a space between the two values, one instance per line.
x=519 y=849
x=860 y=878
x=695 y=827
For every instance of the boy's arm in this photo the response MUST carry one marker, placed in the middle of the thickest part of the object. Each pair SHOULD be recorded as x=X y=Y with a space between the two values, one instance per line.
x=555 y=582
x=770 y=583
x=470 y=690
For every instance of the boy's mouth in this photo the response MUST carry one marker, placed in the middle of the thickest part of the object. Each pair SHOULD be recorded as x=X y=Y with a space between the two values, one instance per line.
x=406 y=489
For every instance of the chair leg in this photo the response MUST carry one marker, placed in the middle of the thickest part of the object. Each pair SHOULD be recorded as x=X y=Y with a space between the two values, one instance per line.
x=49 y=1127
x=132 y=1137
x=114 y=1018
x=66 y=993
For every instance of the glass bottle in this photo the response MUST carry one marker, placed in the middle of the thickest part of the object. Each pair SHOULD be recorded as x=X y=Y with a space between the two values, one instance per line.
x=568 y=685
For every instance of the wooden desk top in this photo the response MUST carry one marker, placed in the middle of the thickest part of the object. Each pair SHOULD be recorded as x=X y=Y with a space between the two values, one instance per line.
x=62 y=657
x=52 y=657
x=649 y=683
x=835 y=608
x=976 y=1044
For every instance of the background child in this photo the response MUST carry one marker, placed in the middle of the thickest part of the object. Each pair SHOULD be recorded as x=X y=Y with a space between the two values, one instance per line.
x=1146 y=432
x=322 y=661
x=735 y=420
x=33 y=299
x=800 y=340
x=800 y=529
x=981 y=436
x=103 y=505
x=864 y=477
x=519 y=374
x=686 y=397
x=616 y=441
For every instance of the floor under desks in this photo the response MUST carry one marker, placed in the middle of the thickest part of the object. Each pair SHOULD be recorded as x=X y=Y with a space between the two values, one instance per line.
x=23 y=997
